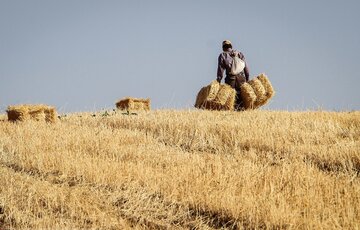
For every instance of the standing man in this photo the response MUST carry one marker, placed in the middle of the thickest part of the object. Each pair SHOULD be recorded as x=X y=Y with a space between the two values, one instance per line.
x=224 y=63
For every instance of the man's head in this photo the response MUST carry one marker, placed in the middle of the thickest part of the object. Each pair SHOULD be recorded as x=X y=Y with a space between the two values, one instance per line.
x=226 y=45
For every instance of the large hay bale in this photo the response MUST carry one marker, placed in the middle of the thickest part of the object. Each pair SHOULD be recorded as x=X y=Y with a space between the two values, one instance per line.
x=259 y=91
x=130 y=103
x=31 y=112
x=268 y=88
x=207 y=93
x=248 y=95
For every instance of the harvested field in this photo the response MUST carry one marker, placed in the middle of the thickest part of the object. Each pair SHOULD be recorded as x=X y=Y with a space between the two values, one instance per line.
x=182 y=170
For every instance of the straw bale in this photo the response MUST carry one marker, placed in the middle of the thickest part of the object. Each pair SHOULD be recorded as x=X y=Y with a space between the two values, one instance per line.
x=248 y=95
x=207 y=93
x=216 y=97
x=130 y=103
x=18 y=113
x=230 y=103
x=213 y=90
x=224 y=93
x=225 y=97
x=31 y=112
x=267 y=85
x=212 y=105
x=201 y=97
x=259 y=90
x=37 y=113
x=123 y=104
x=50 y=114
x=268 y=88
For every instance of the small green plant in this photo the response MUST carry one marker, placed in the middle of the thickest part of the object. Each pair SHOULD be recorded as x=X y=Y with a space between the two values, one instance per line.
x=129 y=113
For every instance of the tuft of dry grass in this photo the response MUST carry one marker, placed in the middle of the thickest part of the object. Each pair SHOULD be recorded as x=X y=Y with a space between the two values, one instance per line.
x=182 y=169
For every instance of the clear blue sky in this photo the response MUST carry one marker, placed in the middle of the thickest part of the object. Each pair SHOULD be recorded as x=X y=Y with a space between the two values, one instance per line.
x=83 y=55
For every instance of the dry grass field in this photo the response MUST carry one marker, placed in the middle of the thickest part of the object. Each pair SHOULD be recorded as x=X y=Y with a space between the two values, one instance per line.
x=182 y=170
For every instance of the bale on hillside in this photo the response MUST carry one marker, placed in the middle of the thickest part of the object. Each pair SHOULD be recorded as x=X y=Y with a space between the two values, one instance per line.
x=130 y=103
x=50 y=114
x=201 y=97
x=31 y=112
x=212 y=105
x=18 y=113
x=230 y=103
x=37 y=113
x=206 y=94
x=259 y=91
x=248 y=95
x=226 y=97
x=216 y=97
x=268 y=88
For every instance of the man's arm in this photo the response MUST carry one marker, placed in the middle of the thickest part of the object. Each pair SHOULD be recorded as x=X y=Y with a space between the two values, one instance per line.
x=220 y=69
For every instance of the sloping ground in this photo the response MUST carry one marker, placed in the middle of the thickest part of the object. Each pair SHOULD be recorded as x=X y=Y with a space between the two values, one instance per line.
x=182 y=169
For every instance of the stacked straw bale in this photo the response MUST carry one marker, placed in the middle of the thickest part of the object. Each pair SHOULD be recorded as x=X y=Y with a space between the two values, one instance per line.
x=248 y=95
x=257 y=92
x=206 y=94
x=268 y=88
x=50 y=114
x=226 y=97
x=254 y=93
x=37 y=113
x=18 y=113
x=31 y=112
x=216 y=97
x=132 y=104
x=201 y=97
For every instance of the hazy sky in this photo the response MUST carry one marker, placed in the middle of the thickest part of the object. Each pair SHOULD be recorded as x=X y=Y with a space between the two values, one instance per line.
x=83 y=55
